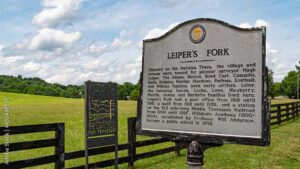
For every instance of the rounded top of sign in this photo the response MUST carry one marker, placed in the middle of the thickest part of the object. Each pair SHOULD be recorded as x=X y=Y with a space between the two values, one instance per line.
x=198 y=32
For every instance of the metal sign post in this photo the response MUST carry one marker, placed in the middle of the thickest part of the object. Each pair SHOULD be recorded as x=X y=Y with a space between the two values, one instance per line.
x=101 y=117
x=195 y=154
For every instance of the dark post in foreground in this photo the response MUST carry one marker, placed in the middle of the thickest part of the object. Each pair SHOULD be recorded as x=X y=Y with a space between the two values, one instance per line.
x=131 y=141
x=195 y=155
x=60 y=147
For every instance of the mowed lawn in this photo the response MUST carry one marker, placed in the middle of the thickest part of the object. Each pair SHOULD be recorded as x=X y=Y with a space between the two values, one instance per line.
x=284 y=151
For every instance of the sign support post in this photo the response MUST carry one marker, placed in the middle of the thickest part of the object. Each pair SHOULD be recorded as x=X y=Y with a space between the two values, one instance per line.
x=195 y=153
x=86 y=109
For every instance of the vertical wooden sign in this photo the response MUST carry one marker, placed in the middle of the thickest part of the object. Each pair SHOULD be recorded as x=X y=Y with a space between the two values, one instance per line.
x=101 y=117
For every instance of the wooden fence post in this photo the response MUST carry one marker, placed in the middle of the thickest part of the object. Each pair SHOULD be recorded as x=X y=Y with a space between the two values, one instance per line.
x=287 y=112
x=131 y=122
x=279 y=114
x=297 y=108
x=60 y=146
x=294 y=110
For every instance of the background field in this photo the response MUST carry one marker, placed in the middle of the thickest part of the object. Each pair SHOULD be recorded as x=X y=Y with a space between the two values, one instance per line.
x=284 y=151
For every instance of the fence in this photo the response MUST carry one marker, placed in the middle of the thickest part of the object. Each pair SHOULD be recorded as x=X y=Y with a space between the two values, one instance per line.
x=284 y=112
x=279 y=113
x=60 y=156
x=131 y=147
x=57 y=142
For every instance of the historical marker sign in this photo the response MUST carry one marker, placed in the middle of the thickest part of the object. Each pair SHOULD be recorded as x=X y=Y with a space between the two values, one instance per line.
x=101 y=116
x=101 y=110
x=207 y=79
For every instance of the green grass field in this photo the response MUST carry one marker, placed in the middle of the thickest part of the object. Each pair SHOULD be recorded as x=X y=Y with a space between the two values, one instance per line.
x=284 y=151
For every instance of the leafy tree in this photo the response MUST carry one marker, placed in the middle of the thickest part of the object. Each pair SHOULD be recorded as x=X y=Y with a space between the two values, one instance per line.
x=289 y=84
x=135 y=94
x=124 y=90
x=277 y=89
x=63 y=94
x=20 y=77
x=72 y=91
x=121 y=92
x=38 y=86
x=30 y=90
x=49 y=91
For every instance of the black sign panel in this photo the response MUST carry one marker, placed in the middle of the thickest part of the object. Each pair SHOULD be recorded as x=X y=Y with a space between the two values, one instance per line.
x=101 y=117
x=101 y=108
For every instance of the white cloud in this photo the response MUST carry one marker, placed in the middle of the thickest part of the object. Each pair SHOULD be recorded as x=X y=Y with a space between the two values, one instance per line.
x=10 y=65
x=117 y=44
x=269 y=49
x=76 y=65
x=139 y=59
x=50 y=39
x=258 y=23
x=125 y=33
x=1 y=47
x=94 y=64
x=75 y=69
x=75 y=75
x=272 y=57
x=97 y=49
x=140 y=44
x=154 y=33
x=120 y=44
x=67 y=76
x=129 y=71
x=10 y=60
x=281 y=66
x=32 y=66
x=157 y=32
x=245 y=25
x=61 y=77
x=56 y=12
x=277 y=61
x=97 y=60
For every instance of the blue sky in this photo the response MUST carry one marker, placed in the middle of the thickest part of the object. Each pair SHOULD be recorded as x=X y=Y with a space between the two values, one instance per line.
x=71 y=41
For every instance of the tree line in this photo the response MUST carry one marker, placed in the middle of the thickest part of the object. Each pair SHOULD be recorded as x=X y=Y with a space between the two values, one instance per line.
x=287 y=87
x=127 y=90
x=37 y=86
